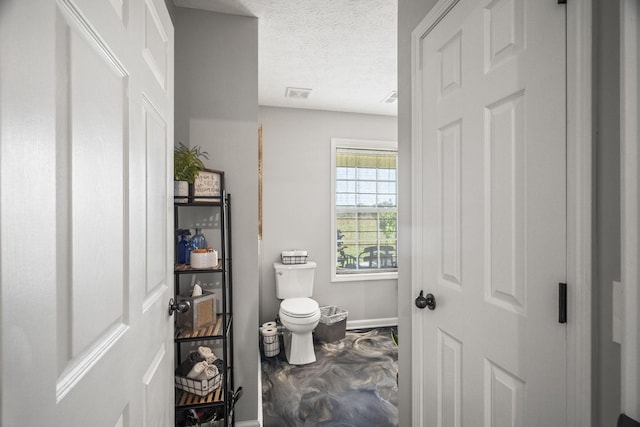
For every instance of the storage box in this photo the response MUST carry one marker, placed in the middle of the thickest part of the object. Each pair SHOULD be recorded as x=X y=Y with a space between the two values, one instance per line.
x=333 y=324
x=202 y=312
x=294 y=257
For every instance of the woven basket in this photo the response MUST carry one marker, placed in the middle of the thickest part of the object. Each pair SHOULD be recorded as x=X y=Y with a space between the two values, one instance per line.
x=199 y=387
x=297 y=259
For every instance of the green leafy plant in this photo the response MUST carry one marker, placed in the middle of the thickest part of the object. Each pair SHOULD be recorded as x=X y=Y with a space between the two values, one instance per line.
x=187 y=162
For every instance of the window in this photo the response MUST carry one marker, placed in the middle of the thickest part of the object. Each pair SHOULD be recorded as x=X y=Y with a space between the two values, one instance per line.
x=364 y=210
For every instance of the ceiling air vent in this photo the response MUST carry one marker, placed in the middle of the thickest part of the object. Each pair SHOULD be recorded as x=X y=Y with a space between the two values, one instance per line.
x=391 y=98
x=297 y=93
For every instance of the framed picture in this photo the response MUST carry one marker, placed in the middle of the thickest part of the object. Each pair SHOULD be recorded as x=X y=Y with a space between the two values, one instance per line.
x=209 y=183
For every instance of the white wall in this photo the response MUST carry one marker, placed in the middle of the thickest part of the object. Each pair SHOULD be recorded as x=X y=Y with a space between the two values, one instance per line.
x=296 y=204
x=216 y=94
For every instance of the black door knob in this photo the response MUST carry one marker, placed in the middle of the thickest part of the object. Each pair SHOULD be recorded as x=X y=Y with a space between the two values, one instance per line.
x=181 y=307
x=428 y=301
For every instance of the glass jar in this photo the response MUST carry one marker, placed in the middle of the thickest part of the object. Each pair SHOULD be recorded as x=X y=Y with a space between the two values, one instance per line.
x=198 y=241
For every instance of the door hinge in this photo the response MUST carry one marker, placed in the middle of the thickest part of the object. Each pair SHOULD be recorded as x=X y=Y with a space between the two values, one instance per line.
x=562 y=302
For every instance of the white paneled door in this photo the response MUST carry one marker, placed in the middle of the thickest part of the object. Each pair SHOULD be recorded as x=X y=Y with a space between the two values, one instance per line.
x=490 y=176
x=86 y=119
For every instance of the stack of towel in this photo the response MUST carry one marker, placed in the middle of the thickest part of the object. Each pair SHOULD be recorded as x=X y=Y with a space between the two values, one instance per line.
x=200 y=365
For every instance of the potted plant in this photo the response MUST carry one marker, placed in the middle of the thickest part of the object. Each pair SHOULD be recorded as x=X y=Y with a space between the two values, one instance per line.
x=187 y=164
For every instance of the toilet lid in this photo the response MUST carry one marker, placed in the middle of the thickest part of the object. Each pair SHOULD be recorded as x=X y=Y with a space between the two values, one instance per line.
x=299 y=307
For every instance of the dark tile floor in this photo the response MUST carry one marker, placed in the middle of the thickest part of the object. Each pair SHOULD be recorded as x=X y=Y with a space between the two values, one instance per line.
x=353 y=383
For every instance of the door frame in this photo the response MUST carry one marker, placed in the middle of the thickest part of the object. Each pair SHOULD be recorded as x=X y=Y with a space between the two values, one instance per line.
x=579 y=130
x=630 y=209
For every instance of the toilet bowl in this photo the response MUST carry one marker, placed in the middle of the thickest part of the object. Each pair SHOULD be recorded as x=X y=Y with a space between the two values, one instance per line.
x=299 y=316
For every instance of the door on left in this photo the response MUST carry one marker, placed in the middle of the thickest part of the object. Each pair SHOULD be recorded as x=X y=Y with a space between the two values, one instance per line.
x=86 y=113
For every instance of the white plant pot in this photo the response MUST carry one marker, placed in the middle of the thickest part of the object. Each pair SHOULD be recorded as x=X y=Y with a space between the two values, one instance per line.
x=180 y=188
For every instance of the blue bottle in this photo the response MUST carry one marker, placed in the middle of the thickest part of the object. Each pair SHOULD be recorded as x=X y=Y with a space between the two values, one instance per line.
x=182 y=250
x=190 y=247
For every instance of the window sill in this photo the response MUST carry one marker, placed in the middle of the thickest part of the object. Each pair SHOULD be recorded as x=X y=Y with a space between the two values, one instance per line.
x=362 y=277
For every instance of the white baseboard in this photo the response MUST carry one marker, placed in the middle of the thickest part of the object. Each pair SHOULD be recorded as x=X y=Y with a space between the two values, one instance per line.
x=260 y=415
x=252 y=423
x=372 y=323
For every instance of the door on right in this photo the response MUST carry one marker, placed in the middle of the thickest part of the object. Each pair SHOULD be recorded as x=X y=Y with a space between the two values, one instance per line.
x=489 y=171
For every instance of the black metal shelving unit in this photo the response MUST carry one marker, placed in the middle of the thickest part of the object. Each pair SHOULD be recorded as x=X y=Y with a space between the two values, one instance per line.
x=222 y=399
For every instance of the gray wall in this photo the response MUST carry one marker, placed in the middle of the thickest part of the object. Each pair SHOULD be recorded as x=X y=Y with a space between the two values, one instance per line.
x=410 y=13
x=171 y=8
x=607 y=175
x=297 y=209
x=216 y=107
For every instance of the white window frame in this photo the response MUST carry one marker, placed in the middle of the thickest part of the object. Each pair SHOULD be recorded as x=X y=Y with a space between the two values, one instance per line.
x=364 y=144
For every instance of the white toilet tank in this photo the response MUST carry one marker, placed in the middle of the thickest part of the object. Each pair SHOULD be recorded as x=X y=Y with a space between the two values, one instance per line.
x=294 y=280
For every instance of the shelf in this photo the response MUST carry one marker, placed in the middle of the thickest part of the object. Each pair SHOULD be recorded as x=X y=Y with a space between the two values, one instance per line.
x=214 y=201
x=185 y=400
x=213 y=331
x=187 y=269
x=220 y=334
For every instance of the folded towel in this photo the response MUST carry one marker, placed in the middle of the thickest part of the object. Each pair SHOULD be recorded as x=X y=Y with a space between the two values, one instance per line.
x=209 y=372
x=219 y=363
x=207 y=354
x=197 y=370
x=294 y=252
x=194 y=355
x=186 y=367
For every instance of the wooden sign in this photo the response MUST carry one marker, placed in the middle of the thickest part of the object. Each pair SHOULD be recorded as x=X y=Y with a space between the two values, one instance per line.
x=208 y=184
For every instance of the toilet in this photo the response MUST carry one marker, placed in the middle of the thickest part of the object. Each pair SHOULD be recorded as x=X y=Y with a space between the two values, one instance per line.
x=298 y=313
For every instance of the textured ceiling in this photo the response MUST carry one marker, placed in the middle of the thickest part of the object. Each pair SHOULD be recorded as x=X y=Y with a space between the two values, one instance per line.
x=344 y=50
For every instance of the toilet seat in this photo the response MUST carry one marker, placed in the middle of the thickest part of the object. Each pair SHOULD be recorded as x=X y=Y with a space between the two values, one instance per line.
x=299 y=307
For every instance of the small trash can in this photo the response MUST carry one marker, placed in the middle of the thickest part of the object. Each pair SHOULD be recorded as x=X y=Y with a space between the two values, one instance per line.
x=332 y=325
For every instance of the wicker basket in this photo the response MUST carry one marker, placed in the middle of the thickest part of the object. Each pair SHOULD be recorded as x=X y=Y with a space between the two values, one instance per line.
x=199 y=387
x=294 y=259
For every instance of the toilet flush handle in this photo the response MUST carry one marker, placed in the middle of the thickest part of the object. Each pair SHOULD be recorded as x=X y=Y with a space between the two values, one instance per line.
x=279 y=273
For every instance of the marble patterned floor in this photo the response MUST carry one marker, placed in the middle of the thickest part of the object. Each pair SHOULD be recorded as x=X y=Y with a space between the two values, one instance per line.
x=353 y=383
